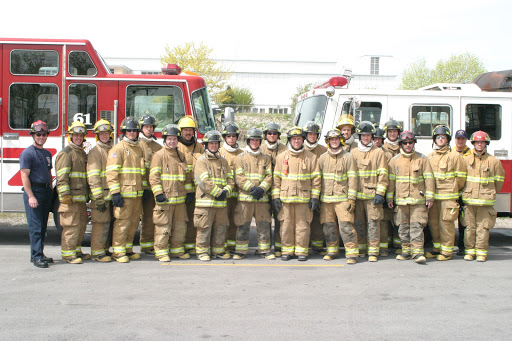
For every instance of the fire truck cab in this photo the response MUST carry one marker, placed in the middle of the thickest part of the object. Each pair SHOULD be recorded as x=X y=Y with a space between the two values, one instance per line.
x=459 y=106
x=61 y=81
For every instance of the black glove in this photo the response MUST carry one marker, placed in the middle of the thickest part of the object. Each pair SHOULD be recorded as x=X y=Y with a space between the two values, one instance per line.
x=379 y=199
x=118 y=200
x=100 y=205
x=146 y=194
x=160 y=198
x=190 y=198
x=257 y=193
x=222 y=195
x=314 y=204
x=277 y=204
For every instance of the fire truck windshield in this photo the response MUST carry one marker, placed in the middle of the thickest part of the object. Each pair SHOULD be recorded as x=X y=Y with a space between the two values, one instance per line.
x=202 y=111
x=310 y=109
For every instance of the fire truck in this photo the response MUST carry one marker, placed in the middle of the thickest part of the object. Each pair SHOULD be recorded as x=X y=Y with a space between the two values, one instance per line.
x=61 y=81
x=459 y=106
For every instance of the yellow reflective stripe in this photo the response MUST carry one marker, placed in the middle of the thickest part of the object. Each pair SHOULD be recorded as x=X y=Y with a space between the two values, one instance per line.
x=247 y=197
x=93 y=172
x=63 y=170
x=478 y=202
x=335 y=177
x=157 y=188
x=172 y=177
x=409 y=201
x=294 y=199
x=113 y=167
x=63 y=188
x=445 y=196
x=114 y=187
x=175 y=250
x=173 y=200
x=210 y=203
x=78 y=175
x=478 y=179
x=132 y=170
x=155 y=170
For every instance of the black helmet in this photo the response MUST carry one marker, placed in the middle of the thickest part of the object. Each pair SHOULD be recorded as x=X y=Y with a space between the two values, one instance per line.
x=442 y=130
x=272 y=127
x=148 y=120
x=311 y=127
x=393 y=124
x=295 y=131
x=230 y=128
x=254 y=134
x=379 y=132
x=171 y=130
x=212 y=136
x=129 y=123
x=365 y=127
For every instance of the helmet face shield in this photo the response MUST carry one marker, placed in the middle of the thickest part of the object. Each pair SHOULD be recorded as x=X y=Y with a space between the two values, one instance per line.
x=39 y=127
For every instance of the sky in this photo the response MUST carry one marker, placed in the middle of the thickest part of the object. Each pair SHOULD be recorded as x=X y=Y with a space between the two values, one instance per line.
x=297 y=30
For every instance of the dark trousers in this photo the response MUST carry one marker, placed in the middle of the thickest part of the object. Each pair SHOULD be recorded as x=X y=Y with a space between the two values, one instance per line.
x=37 y=219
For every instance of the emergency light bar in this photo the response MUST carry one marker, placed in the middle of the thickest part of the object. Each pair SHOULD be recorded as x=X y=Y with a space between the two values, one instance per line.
x=171 y=69
x=334 y=81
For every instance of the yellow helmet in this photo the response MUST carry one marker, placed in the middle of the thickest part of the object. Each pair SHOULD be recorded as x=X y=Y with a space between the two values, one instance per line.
x=346 y=120
x=76 y=127
x=102 y=126
x=334 y=133
x=187 y=122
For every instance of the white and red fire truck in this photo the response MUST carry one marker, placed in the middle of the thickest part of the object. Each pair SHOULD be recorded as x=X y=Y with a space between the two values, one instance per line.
x=61 y=81
x=459 y=106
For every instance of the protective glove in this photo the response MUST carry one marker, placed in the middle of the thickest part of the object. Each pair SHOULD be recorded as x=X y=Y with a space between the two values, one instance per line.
x=117 y=200
x=190 y=198
x=257 y=193
x=277 y=204
x=100 y=205
x=66 y=199
x=222 y=195
x=146 y=194
x=379 y=199
x=351 y=205
x=314 y=204
x=160 y=198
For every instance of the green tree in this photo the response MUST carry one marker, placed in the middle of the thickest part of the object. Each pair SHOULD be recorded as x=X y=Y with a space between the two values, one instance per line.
x=240 y=99
x=299 y=91
x=461 y=68
x=198 y=59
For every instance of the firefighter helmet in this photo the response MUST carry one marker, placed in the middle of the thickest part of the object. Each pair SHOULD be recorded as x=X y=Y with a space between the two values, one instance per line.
x=272 y=127
x=334 y=133
x=407 y=135
x=148 y=120
x=103 y=126
x=39 y=127
x=254 y=134
x=480 y=136
x=312 y=127
x=187 y=122
x=365 y=127
x=379 y=132
x=212 y=136
x=171 y=130
x=442 y=130
x=346 y=120
x=129 y=123
x=230 y=128
x=295 y=131
x=76 y=127
x=393 y=124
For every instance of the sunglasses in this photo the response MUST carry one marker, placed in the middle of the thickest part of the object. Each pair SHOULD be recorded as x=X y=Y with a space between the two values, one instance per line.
x=408 y=142
x=131 y=130
x=41 y=134
x=271 y=133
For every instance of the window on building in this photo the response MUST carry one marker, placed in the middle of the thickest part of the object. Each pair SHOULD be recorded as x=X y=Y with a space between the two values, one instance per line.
x=425 y=118
x=82 y=104
x=34 y=62
x=80 y=64
x=31 y=102
x=374 y=67
x=486 y=117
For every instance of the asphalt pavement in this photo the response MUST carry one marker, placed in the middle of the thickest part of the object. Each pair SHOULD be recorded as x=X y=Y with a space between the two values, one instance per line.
x=253 y=299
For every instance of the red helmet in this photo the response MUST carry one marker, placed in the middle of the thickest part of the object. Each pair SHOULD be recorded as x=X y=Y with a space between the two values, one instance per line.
x=480 y=136
x=39 y=127
x=407 y=135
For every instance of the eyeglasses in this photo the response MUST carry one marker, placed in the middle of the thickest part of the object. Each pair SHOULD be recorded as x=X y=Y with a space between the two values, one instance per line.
x=131 y=130
x=441 y=137
x=408 y=142
x=41 y=134
x=272 y=133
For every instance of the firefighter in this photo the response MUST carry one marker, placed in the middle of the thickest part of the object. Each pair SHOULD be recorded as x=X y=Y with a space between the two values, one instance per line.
x=385 y=223
x=461 y=138
x=450 y=176
x=485 y=179
x=148 y=143
x=253 y=175
x=72 y=187
x=295 y=195
x=312 y=131
x=273 y=147
x=372 y=173
x=126 y=173
x=215 y=183
x=101 y=208
x=229 y=151
x=346 y=124
x=171 y=180
x=338 y=197
x=189 y=146
x=392 y=129
x=411 y=193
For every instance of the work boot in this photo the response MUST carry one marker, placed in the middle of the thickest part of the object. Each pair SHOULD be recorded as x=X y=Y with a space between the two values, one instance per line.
x=420 y=259
x=469 y=257
x=403 y=256
x=204 y=258
x=432 y=254
x=40 y=263
x=102 y=259
x=398 y=251
x=224 y=255
x=461 y=252
x=133 y=255
x=443 y=258
x=46 y=259
x=384 y=254
x=328 y=257
x=75 y=260
x=84 y=256
x=278 y=253
x=351 y=260
x=372 y=258
x=184 y=256
x=121 y=259
x=238 y=256
x=191 y=252
x=302 y=258
x=286 y=258
x=362 y=254
x=164 y=259
x=268 y=255
x=481 y=258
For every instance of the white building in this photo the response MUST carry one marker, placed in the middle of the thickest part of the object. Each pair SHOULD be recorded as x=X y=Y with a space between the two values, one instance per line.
x=274 y=82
